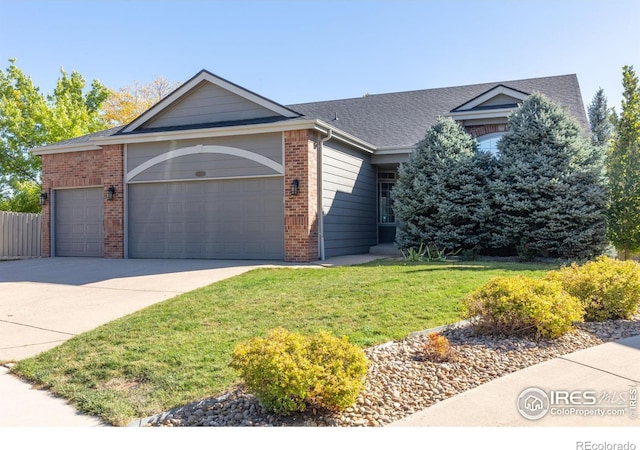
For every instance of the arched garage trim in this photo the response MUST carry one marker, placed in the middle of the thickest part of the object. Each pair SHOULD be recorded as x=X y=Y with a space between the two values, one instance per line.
x=240 y=153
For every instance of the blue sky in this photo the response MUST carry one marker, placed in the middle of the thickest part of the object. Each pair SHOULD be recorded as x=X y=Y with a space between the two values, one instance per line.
x=299 y=51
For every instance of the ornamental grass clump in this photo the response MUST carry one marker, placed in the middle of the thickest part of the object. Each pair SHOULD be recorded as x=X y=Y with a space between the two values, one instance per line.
x=607 y=288
x=521 y=306
x=288 y=372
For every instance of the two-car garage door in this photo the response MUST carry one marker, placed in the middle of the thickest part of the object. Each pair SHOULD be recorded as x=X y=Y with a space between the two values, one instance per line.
x=220 y=219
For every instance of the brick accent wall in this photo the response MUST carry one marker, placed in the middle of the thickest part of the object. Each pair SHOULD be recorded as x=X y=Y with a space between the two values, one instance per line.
x=481 y=130
x=87 y=169
x=301 y=211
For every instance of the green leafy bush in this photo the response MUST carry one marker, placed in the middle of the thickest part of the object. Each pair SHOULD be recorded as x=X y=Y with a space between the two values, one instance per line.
x=607 y=288
x=288 y=372
x=520 y=305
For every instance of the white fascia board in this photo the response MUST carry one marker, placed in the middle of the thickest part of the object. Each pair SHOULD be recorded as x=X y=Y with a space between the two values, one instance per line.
x=158 y=136
x=395 y=150
x=345 y=137
x=234 y=131
x=189 y=85
x=52 y=149
x=489 y=95
x=483 y=114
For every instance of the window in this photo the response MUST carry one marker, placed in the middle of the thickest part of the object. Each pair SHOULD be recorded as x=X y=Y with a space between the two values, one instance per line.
x=489 y=142
x=386 y=181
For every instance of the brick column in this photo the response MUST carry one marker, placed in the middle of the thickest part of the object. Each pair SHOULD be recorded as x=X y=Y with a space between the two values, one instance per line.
x=112 y=175
x=301 y=211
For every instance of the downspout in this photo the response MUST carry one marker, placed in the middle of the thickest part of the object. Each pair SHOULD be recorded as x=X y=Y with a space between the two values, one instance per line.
x=320 y=206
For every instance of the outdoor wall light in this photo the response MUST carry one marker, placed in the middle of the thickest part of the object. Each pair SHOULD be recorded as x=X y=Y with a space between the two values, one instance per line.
x=111 y=192
x=295 y=187
x=43 y=198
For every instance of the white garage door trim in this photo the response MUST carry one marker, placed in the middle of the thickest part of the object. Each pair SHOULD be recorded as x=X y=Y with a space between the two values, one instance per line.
x=196 y=149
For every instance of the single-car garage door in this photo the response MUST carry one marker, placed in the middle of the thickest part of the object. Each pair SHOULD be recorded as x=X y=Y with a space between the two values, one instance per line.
x=223 y=219
x=79 y=229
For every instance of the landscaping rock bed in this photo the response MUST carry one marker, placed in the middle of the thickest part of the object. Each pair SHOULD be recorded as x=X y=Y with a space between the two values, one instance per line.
x=401 y=381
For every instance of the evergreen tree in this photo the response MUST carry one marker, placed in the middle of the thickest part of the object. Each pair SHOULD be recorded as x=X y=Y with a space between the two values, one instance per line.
x=440 y=198
x=550 y=192
x=600 y=120
x=623 y=168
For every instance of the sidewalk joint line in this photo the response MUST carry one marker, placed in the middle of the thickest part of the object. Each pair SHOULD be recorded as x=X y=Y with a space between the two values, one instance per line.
x=598 y=369
x=38 y=328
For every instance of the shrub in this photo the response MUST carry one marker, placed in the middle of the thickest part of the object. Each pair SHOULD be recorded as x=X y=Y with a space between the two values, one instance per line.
x=276 y=370
x=288 y=372
x=520 y=305
x=438 y=349
x=607 y=288
x=341 y=369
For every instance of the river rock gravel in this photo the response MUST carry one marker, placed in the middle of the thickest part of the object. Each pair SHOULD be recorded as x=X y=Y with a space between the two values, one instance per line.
x=402 y=380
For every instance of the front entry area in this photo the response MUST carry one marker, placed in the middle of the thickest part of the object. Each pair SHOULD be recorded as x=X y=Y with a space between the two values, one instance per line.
x=215 y=219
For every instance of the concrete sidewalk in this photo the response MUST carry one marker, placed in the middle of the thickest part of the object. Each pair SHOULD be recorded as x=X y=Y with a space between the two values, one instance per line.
x=608 y=374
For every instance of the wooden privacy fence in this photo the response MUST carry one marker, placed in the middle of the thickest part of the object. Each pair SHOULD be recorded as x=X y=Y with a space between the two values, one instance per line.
x=20 y=235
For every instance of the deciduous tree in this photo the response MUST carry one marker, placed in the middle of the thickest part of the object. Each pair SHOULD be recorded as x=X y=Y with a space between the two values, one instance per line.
x=29 y=119
x=623 y=168
x=127 y=103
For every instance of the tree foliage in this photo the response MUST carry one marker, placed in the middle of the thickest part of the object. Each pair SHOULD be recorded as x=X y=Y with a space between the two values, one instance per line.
x=600 y=119
x=440 y=198
x=127 y=103
x=623 y=168
x=550 y=190
x=30 y=119
x=24 y=198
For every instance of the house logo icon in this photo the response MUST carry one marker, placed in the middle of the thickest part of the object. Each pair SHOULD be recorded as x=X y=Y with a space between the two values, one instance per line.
x=533 y=403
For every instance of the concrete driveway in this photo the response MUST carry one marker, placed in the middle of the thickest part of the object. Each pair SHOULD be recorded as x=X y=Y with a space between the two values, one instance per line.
x=44 y=302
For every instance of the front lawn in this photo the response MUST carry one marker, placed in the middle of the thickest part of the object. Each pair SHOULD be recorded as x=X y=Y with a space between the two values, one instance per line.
x=178 y=351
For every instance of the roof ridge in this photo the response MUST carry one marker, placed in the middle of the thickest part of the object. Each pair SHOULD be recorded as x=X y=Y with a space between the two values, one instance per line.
x=496 y=83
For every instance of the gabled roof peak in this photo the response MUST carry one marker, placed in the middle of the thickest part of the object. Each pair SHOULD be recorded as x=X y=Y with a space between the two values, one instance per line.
x=204 y=76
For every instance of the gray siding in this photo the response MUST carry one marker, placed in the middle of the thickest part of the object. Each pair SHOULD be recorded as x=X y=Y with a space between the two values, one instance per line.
x=208 y=166
x=500 y=99
x=208 y=103
x=349 y=200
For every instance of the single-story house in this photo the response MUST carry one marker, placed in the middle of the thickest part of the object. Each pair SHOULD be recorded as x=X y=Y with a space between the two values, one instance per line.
x=217 y=171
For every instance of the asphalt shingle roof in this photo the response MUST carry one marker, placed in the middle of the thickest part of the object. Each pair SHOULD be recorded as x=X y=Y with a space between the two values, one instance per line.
x=401 y=118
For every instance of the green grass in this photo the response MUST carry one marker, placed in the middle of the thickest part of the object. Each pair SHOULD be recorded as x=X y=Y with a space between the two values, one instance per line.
x=178 y=351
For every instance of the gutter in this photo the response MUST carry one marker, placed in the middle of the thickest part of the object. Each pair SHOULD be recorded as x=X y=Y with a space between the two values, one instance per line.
x=319 y=194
